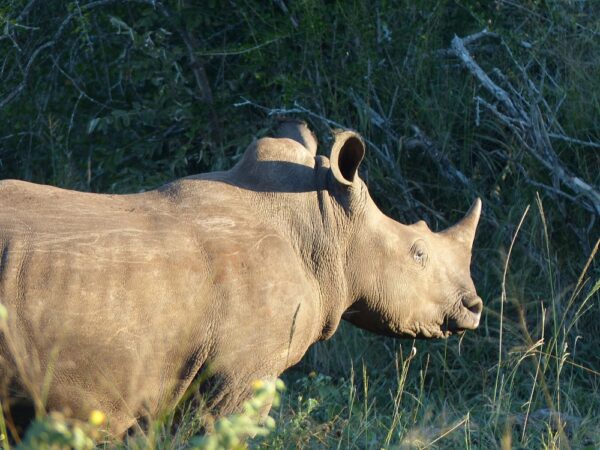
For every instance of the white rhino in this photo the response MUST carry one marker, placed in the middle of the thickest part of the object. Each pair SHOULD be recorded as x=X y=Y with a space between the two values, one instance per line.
x=119 y=302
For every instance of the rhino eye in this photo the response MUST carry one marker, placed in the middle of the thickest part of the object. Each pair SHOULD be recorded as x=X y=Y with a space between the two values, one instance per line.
x=419 y=253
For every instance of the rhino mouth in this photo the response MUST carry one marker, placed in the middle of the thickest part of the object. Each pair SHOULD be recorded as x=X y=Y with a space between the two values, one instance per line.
x=453 y=325
x=443 y=331
x=438 y=334
x=418 y=331
x=450 y=328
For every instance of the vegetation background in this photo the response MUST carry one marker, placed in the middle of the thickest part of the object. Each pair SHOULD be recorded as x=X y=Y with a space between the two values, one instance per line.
x=122 y=96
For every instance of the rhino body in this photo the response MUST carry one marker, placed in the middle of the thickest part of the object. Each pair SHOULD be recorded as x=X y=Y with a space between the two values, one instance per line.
x=119 y=302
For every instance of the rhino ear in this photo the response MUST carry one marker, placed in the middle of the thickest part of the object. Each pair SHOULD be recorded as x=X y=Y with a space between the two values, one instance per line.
x=464 y=231
x=346 y=155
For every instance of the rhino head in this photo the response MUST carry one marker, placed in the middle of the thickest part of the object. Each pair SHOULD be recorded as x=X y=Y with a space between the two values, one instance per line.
x=404 y=280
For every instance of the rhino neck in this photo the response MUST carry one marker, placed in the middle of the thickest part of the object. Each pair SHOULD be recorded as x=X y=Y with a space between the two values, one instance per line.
x=300 y=205
x=291 y=188
x=329 y=249
x=316 y=226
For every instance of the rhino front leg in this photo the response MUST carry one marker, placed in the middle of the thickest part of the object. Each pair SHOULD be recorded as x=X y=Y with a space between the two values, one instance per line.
x=226 y=395
x=267 y=396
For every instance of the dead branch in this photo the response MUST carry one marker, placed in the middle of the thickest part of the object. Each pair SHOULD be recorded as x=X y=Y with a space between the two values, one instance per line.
x=12 y=95
x=286 y=11
x=570 y=140
x=420 y=141
x=75 y=84
x=520 y=113
x=469 y=41
x=458 y=46
x=8 y=28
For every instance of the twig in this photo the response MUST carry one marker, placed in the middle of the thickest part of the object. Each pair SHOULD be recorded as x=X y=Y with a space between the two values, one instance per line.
x=485 y=33
x=570 y=140
x=297 y=109
x=506 y=120
x=10 y=97
x=82 y=93
x=447 y=432
x=469 y=40
x=25 y=11
x=20 y=17
x=285 y=10
x=241 y=51
x=445 y=166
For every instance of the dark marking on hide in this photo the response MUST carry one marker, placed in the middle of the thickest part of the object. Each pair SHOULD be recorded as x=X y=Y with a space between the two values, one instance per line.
x=4 y=252
x=292 y=332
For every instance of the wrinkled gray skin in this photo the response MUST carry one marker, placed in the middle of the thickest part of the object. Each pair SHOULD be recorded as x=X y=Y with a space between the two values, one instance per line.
x=119 y=302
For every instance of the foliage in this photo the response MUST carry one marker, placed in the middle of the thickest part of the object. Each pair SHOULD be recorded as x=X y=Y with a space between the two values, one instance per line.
x=121 y=96
x=232 y=431
x=53 y=432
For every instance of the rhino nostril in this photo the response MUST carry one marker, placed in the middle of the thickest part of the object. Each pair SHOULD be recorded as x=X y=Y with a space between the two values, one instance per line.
x=473 y=304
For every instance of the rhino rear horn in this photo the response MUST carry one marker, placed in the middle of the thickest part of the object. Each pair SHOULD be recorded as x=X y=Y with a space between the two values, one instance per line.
x=464 y=231
x=346 y=155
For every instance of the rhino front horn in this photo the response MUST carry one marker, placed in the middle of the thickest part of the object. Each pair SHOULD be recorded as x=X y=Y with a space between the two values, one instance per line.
x=464 y=231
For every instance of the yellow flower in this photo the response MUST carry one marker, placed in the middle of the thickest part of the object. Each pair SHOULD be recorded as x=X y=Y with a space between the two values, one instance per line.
x=258 y=384
x=97 y=418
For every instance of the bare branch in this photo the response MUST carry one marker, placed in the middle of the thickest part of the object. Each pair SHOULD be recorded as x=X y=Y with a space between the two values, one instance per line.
x=285 y=10
x=570 y=140
x=10 y=97
x=485 y=33
x=20 y=17
x=82 y=93
x=445 y=166
x=522 y=116
x=463 y=54
x=469 y=40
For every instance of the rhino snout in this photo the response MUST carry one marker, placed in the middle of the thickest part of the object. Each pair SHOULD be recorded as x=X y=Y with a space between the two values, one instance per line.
x=473 y=307
x=473 y=304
